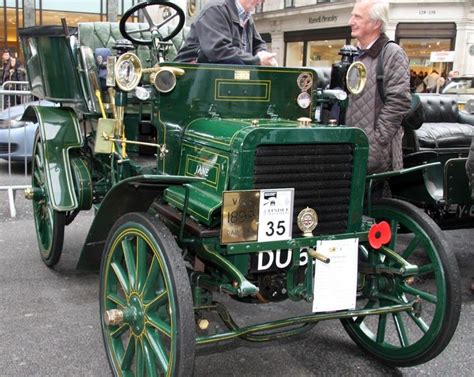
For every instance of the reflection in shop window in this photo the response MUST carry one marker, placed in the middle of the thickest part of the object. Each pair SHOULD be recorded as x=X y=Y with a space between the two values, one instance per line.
x=11 y=24
x=92 y=6
x=10 y=40
x=419 y=52
x=294 y=54
x=72 y=18
x=324 y=53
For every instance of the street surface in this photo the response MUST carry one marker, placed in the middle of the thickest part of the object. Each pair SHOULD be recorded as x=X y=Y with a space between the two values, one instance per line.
x=49 y=322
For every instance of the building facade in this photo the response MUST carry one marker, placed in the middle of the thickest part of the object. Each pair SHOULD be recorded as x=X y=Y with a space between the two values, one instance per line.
x=16 y=14
x=435 y=34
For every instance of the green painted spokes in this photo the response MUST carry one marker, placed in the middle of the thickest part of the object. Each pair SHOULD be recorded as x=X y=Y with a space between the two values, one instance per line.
x=49 y=223
x=145 y=300
x=408 y=338
x=137 y=287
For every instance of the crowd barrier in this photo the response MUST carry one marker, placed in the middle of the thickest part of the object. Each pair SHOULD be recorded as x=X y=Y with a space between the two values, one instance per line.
x=13 y=93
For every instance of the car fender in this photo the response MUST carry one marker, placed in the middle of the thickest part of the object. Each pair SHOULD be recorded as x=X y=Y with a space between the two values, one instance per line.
x=135 y=194
x=60 y=131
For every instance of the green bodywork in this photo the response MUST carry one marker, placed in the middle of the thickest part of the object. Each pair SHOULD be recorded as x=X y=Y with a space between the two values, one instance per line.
x=204 y=142
x=442 y=189
x=60 y=131
x=224 y=151
x=213 y=91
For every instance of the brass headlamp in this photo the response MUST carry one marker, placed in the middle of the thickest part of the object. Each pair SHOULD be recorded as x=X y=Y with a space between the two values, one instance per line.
x=356 y=77
x=128 y=71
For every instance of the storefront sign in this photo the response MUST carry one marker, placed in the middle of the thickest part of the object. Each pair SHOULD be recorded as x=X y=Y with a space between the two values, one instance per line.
x=442 y=56
x=427 y=12
x=322 y=19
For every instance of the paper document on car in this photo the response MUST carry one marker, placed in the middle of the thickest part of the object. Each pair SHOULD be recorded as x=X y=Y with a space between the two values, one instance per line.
x=335 y=283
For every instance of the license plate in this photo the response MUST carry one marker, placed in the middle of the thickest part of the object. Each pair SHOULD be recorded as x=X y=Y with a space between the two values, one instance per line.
x=276 y=260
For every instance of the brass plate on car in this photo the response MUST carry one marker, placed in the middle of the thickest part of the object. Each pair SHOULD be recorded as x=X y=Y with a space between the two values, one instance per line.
x=241 y=74
x=104 y=126
x=240 y=216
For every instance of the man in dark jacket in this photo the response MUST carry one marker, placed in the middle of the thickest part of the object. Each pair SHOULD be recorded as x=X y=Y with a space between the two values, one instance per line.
x=6 y=62
x=224 y=32
x=381 y=120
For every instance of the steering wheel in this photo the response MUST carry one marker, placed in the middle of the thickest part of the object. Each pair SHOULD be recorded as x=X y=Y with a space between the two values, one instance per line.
x=174 y=10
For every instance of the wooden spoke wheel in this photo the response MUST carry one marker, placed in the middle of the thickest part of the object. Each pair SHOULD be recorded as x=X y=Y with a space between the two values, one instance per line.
x=405 y=339
x=145 y=300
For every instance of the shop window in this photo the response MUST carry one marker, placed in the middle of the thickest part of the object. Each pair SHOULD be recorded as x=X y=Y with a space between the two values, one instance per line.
x=92 y=6
x=72 y=18
x=8 y=34
x=419 y=52
x=317 y=47
x=294 y=54
x=323 y=53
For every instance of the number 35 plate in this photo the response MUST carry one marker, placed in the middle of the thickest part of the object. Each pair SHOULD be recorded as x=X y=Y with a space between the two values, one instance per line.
x=257 y=215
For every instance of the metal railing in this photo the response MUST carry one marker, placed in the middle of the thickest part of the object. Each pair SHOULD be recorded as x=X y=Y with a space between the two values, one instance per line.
x=13 y=93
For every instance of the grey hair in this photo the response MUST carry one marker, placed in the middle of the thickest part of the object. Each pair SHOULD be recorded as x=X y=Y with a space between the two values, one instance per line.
x=378 y=11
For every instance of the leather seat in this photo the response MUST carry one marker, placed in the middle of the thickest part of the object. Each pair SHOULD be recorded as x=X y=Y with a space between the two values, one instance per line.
x=444 y=127
x=449 y=135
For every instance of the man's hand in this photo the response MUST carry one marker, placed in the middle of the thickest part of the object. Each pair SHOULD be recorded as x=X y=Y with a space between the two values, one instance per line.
x=267 y=58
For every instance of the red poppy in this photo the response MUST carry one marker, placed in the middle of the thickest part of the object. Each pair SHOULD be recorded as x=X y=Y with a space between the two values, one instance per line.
x=379 y=234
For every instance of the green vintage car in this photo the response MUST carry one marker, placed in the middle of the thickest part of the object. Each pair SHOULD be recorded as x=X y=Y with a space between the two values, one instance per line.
x=220 y=178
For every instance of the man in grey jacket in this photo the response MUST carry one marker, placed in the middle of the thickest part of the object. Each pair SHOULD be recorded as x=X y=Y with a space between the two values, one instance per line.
x=380 y=120
x=224 y=32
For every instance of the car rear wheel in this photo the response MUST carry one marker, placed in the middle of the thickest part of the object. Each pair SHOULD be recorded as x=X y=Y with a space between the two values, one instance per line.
x=146 y=306
x=406 y=339
x=49 y=223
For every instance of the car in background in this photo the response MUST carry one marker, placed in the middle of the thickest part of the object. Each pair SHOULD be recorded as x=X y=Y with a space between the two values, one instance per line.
x=463 y=88
x=17 y=136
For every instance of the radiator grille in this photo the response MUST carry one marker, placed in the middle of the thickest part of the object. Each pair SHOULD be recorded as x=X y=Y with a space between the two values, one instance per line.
x=320 y=174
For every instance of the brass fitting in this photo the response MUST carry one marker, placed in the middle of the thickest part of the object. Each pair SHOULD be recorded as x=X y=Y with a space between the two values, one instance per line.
x=34 y=193
x=203 y=324
x=304 y=122
x=29 y=194
x=317 y=255
x=113 y=317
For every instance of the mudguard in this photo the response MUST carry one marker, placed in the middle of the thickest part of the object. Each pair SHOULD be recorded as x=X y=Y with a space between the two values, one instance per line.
x=456 y=183
x=135 y=194
x=60 y=131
